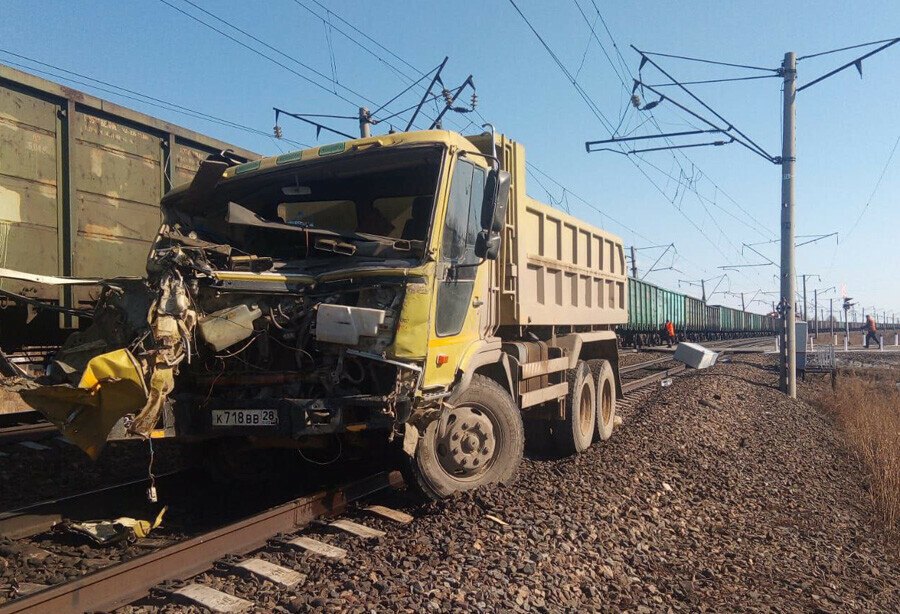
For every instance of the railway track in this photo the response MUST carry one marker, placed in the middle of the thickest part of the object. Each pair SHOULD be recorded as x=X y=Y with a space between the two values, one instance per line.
x=170 y=568
x=24 y=426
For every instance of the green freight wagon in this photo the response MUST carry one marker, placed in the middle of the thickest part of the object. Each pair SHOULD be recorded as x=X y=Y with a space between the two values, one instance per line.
x=80 y=183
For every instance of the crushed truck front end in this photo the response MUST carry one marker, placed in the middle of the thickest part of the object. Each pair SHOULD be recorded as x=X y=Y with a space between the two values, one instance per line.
x=288 y=302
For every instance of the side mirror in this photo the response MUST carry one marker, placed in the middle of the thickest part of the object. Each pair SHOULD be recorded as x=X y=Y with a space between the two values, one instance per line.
x=496 y=198
x=493 y=214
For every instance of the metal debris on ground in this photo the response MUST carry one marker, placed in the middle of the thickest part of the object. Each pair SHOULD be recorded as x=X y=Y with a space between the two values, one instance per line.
x=112 y=531
x=695 y=355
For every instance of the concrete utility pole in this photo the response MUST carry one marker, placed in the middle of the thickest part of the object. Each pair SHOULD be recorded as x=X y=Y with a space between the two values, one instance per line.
x=816 y=309
x=743 y=304
x=788 y=354
x=633 y=263
x=831 y=313
x=805 y=319
x=364 y=125
x=703 y=287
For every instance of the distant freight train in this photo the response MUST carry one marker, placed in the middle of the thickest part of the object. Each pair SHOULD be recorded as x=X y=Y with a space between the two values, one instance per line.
x=649 y=306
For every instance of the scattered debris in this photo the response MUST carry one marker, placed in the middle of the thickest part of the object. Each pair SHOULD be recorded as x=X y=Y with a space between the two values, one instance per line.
x=106 y=532
x=695 y=355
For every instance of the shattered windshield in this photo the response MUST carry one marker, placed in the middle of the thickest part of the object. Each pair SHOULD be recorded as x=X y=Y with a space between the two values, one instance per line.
x=376 y=203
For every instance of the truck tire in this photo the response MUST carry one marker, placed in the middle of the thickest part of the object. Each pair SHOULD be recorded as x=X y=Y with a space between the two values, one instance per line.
x=479 y=441
x=606 y=397
x=575 y=433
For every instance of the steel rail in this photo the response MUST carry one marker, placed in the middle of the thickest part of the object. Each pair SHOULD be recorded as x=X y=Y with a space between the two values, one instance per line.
x=121 y=584
x=628 y=387
x=26 y=432
x=643 y=365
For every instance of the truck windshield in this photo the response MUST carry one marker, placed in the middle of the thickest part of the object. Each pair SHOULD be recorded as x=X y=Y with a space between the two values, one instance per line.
x=383 y=197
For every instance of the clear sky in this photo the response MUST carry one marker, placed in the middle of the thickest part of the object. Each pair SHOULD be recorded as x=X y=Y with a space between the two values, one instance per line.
x=707 y=201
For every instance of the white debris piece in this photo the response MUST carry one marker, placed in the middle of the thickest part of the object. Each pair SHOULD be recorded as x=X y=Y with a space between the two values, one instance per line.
x=695 y=355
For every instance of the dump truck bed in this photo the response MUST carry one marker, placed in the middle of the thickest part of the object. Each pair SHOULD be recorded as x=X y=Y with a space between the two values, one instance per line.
x=556 y=269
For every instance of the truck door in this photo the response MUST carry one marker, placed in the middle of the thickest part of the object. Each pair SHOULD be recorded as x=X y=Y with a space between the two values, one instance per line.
x=461 y=226
x=459 y=294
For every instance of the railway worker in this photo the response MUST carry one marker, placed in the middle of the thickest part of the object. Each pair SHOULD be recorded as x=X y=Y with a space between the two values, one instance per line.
x=670 y=332
x=869 y=327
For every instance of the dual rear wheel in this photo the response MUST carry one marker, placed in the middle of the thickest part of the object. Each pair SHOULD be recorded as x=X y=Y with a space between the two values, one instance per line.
x=590 y=407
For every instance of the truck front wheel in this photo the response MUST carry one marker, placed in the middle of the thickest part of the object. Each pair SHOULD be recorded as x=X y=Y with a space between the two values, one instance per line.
x=479 y=440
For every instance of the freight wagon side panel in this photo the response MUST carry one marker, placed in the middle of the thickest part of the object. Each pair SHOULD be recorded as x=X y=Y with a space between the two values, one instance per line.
x=118 y=184
x=29 y=188
x=696 y=311
x=80 y=184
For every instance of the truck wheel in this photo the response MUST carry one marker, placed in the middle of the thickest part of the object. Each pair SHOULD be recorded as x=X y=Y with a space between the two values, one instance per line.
x=606 y=397
x=479 y=441
x=575 y=433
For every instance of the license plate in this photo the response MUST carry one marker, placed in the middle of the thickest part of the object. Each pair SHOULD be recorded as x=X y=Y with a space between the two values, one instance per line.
x=244 y=417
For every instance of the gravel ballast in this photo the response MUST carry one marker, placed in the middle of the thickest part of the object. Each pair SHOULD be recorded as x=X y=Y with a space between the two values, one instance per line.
x=716 y=494
x=744 y=502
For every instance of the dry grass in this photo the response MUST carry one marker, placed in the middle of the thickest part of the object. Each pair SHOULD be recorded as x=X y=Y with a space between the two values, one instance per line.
x=868 y=410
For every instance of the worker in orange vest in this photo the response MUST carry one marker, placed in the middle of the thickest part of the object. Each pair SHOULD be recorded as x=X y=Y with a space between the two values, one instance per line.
x=670 y=332
x=869 y=327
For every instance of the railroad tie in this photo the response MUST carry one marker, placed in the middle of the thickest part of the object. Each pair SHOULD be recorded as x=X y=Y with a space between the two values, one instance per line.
x=354 y=528
x=276 y=574
x=390 y=514
x=317 y=547
x=213 y=599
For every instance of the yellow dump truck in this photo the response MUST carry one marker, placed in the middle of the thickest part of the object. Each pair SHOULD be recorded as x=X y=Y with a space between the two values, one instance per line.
x=398 y=290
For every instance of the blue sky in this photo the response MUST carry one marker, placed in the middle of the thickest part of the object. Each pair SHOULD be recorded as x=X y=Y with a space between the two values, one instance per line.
x=709 y=202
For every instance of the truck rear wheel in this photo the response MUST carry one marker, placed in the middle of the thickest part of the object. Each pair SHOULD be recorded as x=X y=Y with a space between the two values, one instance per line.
x=479 y=441
x=606 y=397
x=576 y=432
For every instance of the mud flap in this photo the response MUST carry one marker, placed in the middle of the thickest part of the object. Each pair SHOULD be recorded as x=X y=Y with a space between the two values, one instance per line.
x=410 y=439
x=111 y=386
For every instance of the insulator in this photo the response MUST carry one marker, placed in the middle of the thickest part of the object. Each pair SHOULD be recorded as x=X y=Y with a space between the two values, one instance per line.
x=448 y=97
x=278 y=131
x=474 y=102
x=635 y=101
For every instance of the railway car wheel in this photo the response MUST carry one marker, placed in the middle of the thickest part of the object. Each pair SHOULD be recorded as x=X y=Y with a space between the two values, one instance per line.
x=479 y=440
x=606 y=397
x=576 y=432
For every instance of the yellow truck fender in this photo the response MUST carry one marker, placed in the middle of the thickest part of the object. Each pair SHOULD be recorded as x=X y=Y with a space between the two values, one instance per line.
x=479 y=354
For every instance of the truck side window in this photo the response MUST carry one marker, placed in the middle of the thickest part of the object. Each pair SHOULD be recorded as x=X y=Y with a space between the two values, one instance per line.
x=461 y=226
x=463 y=212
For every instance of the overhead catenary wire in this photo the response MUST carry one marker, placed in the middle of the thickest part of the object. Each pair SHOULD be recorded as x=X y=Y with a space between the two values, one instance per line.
x=129 y=94
x=821 y=53
x=268 y=57
x=705 y=61
x=607 y=124
x=875 y=189
x=728 y=80
x=651 y=117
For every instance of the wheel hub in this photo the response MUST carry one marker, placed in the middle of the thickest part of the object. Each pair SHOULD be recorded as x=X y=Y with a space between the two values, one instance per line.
x=468 y=442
